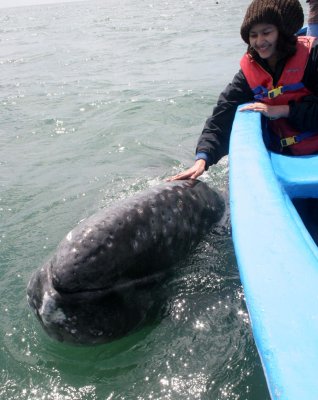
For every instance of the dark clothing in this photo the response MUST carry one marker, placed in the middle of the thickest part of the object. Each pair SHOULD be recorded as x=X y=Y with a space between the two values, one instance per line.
x=313 y=12
x=214 y=141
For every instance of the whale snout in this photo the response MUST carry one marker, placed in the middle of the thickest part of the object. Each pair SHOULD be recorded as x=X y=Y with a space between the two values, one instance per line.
x=86 y=317
x=45 y=302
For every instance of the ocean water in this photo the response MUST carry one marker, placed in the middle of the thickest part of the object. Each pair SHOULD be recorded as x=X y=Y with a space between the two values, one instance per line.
x=99 y=100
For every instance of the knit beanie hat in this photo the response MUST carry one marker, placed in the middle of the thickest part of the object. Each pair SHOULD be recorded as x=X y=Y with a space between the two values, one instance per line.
x=286 y=15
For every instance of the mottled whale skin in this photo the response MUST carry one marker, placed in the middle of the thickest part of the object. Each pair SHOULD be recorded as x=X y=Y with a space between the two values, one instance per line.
x=97 y=287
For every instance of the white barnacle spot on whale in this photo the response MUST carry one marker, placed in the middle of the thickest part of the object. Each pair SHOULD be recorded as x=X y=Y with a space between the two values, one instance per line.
x=140 y=211
x=69 y=236
x=96 y=332
x=135 y=244
x=49 y=312
x=87 y=232
x=180 y=204
x=186 y=226
x=154 y=209
x=169 y=240
x=109 y=242
x=175 y=210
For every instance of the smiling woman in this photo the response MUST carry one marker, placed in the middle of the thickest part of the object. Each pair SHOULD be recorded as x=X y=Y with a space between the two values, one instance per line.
x=278 y=71
x=263 y=39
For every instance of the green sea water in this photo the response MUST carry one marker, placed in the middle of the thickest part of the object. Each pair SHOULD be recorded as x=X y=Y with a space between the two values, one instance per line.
x=99 y=100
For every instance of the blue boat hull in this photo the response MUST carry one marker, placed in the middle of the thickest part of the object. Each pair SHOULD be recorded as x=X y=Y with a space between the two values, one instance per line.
x=277 y=257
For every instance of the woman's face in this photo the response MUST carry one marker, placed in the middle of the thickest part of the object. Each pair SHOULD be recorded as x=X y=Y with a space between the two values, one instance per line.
x=263 y=38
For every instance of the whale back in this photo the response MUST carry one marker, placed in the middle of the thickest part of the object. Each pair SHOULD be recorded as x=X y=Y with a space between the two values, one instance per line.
x=135 y=237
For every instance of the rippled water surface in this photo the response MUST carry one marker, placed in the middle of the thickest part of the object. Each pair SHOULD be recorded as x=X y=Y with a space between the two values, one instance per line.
x=100 y=100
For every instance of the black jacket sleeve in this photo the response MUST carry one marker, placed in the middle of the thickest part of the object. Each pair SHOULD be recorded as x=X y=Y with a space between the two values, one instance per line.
x=215 y=137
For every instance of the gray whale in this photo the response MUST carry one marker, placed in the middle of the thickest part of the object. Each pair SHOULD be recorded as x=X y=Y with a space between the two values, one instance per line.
x=97 y=287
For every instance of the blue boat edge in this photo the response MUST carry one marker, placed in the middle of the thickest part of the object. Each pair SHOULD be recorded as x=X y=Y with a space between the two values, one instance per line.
x=277 y=259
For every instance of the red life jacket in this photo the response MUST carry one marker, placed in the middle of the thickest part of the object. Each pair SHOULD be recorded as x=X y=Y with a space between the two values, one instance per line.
x=289 y=87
